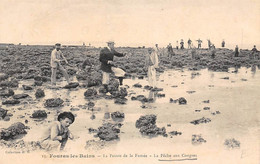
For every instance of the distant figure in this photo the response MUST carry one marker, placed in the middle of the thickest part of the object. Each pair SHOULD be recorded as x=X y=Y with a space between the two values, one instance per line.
x=170 y=50
x=223 y=44
x=189 y=44
x=107 y=65
x=199 y=43
x=213 y=51
x=157 y=50
x=209 y=44
x=56 y=136
x=182 y=44
x=254 y=54
x=177 y=45
x=152 y=63
x=56 y=58
x=236 y=51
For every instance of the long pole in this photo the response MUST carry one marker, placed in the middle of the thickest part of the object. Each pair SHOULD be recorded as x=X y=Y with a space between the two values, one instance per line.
x=242 y=40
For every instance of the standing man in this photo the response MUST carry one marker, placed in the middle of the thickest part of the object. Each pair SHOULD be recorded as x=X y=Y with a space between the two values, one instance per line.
x=223 y=43
x=189 y=44
x=107 y=65
x=182 y=44
x=236 y=51
x=170 y=50
x=56 y=58
x=254 y=53
x=199 y=43
x=151 y=64
x=209 y=44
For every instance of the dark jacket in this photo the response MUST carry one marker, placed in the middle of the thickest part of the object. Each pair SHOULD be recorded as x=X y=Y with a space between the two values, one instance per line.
x=105 y=56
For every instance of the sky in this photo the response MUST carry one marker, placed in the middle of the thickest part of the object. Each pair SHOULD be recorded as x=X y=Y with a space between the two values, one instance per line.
x=130 y=22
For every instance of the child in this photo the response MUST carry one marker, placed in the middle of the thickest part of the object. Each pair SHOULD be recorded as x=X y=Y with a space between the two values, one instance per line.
x=58 y=133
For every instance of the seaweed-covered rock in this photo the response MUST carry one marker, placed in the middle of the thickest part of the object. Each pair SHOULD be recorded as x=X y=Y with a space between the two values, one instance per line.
x=182 y=101
x=90 y=92
x=6 y=92
x=11 y=102
x=57 y=102
x=13 y=131
x=39 y=93
x=197 y=139
x=153 y=130
x=3 y=76
x=26 y=87
x=206 y=101
x=3 y=113
x=113 y=86
x=38 y=83
x=142 y=98
x=20 y=96
x=157 y=89
x=117 y=116
x=13 y=83
x=137 y=85
x=42 y=78
x=148 y=87
x=108 y=132
x=232 y=143
x=71 y=85
x=39 y=114
x=173 y=101
x=145 y=121
x=202 y=120
x=206 y=108
x=160 y=95
x=120 y=101
x=175 y=133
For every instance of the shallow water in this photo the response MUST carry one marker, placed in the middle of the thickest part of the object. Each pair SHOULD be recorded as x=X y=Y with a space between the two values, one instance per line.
x=235 y=98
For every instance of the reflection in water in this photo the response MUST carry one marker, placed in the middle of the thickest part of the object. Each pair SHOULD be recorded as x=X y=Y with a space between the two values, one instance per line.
x=253 y=70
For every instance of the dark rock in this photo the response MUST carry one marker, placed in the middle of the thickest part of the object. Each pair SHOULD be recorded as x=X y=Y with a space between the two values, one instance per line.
x=7 y=118
x=206 y=108
x=190 y=92
x=3 y=113
x=39 y=114
x=13 y=131
x=92 y=117
x=152 y=130
x=74 y=109
x=117 y=115
x=26 y=87
x=175 y=133
x=120 y=101
x=57 y=102
x=232 y=143
x=11 y=84
x=72 y=85
x=3 y=77
x=145 y=121
x=42 y=78
x=157 y=89
x=38 y=83
x=225 y=78
x=197 y=139
x=182 y=101
x=11 y=102
x=20 y=96
x=90 y=93
x=7 y=92
x=91 y=130
x=160 y=95
x=148 y=87
x=102 y=89
x=206 y=101
x=137 y=85
x=202 y=120
x=39 y=93
x=108 y=132
x=173 y=101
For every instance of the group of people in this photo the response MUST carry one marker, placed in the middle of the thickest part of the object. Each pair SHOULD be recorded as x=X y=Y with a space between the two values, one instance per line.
x=56 y=136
